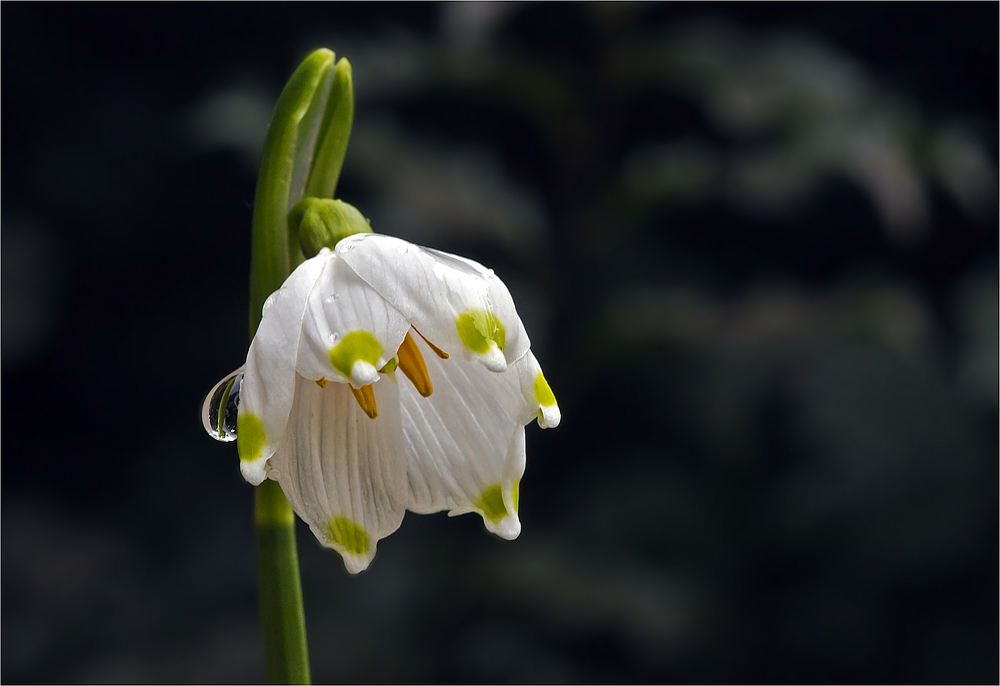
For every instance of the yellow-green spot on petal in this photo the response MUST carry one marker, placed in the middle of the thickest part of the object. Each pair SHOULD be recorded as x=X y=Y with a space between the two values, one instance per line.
x=543 y=393
x=357 y=345
x=389 y=367
x=491 y=503
x=249 y=436
x=517 y=495
x=477 y=327
x=348 y=534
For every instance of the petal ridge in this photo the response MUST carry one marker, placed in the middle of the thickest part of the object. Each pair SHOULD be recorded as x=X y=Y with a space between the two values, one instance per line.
x=344 y=474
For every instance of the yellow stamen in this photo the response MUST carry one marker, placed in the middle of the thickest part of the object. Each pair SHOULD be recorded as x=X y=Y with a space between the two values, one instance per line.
x=440 y=353
x=321 y=382
x=366 y=399
x=413 y=365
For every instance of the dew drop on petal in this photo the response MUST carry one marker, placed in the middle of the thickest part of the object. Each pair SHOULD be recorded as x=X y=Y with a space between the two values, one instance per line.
x=345 y=248
x=334 y=338
x=218 y=414
x=402 y=249
x=331 y=298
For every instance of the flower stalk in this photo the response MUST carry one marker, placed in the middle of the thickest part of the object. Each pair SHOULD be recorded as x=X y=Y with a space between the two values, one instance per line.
x=303 y=153
x=285 y=649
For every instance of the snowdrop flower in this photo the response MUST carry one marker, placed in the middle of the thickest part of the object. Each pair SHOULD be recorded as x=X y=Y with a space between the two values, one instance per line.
x=353 y=443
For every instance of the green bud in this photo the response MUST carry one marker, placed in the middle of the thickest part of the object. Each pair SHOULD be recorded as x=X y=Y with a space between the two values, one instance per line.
x=321 y=223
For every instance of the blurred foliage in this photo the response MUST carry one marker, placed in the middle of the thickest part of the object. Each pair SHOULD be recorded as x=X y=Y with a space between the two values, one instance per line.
x=760 y=270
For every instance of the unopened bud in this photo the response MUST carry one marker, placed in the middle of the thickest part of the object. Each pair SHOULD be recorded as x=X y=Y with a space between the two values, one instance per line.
x=322 y=222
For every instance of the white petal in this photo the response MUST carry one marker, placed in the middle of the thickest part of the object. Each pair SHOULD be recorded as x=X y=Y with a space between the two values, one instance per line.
x=459 y=305
x=537 y=392
x=349 y=331
x=269 y=379
x=344 y=473
x=323 y=312
x=465 y=443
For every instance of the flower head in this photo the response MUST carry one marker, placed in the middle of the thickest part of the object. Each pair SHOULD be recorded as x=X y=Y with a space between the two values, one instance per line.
x=324 y=412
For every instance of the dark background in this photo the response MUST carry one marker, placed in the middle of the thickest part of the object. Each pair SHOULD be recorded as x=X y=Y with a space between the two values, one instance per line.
x=755 y=247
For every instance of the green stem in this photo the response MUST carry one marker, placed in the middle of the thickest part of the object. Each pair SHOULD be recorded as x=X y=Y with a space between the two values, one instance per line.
x=280 y=591
x=284 y=171
x=303 y=153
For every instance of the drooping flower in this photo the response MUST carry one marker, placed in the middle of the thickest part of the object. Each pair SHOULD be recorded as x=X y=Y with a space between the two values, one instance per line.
x=353 y=446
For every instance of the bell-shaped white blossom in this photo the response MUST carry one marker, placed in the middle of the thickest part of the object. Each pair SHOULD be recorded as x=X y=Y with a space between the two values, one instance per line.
x=352 y=442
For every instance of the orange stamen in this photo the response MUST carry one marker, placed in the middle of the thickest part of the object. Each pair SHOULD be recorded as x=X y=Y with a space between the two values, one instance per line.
x=440 y=353
x=366 y=399
x=413 y=365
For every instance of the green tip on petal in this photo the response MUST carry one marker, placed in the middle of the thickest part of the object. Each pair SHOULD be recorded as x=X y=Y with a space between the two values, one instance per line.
x=491 y=503
x=349 y=535
x=543 y=392
x=478 y=327
x=355 y=346
x=249 y=436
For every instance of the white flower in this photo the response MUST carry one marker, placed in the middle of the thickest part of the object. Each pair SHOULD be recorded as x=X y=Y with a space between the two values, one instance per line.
x=354 y=445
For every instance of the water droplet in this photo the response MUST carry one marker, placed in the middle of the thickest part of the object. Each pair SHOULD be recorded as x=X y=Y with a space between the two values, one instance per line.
x=218 y=414
x=345 y=248
x=331 y=298
x=334 y=338
x=402 y=249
